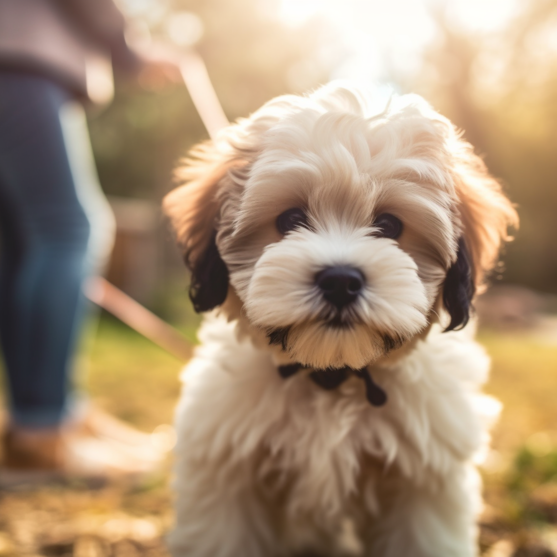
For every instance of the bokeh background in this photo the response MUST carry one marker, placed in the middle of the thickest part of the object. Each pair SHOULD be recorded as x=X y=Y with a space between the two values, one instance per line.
x=489 y=65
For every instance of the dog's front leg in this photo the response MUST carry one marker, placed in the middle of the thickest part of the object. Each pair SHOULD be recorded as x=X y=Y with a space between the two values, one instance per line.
x=430 y=520
x=218 y=513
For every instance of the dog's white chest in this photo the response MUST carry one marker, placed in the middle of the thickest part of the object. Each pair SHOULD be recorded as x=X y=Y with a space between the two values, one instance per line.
x=236 y=406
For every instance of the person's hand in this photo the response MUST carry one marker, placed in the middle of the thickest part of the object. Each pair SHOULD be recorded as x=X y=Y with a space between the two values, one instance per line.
x=159 y=69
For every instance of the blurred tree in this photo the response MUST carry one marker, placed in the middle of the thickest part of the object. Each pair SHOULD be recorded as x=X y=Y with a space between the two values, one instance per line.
x=499 y=86
x=501 y=89
x=251 y=57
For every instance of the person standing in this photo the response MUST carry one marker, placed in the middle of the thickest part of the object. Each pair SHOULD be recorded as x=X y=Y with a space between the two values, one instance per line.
x=56 y=228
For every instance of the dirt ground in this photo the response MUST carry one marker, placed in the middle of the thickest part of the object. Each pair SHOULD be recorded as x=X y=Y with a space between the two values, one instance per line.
x=75 y=521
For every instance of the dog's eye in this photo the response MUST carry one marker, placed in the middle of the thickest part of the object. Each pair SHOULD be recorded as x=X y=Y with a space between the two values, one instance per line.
x=388 y=226
x=291 y=219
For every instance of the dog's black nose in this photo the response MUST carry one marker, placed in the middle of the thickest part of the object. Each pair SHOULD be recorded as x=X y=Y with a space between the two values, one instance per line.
x=340 y=285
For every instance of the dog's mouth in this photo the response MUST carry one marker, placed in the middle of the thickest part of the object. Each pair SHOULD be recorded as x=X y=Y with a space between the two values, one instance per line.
x=279 y=335
x=340 y=322
x=332 y=318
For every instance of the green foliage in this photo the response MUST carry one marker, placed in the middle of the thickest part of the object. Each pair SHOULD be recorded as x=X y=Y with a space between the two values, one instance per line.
x=531 y=485
x=531 y=469
x=139 y=138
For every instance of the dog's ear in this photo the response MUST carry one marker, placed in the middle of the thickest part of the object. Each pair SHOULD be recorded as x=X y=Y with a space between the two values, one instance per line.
x=485 y=214
x=193 y=210
x=459 y=289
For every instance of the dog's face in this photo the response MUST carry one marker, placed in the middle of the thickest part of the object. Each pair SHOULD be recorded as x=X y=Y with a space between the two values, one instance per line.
x=342 y=232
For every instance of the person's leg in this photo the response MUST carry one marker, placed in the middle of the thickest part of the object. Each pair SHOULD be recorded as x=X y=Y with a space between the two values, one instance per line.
x=56 y=229
x=47 y=246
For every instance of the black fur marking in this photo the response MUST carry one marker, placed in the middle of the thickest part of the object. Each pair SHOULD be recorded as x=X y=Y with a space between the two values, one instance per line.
x=209 y=279
x=279 y=336
x=459 y=289
x=330 y=378
x=391 y=343
x=375 y=395
x=289 y=370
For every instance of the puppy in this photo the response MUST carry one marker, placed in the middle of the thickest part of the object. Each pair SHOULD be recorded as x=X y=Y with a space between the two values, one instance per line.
x=333 y=405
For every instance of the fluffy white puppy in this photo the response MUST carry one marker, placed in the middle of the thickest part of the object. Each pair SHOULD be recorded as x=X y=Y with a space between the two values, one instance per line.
x=329 y=410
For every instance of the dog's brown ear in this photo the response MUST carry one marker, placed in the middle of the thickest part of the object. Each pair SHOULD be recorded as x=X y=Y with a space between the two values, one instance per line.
x=486 y=215
x=193 y=210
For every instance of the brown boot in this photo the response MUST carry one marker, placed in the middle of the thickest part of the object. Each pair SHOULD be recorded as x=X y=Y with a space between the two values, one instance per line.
x=29 y=449
x=96 y=447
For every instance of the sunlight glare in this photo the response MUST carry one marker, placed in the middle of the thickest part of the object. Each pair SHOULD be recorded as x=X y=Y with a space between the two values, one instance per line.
x=369 y=33
x=184 y=28
x=296 y=12
x=482 y=15
x=376 y=38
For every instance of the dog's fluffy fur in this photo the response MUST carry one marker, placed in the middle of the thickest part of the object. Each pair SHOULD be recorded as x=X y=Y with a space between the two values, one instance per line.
x=270 y=467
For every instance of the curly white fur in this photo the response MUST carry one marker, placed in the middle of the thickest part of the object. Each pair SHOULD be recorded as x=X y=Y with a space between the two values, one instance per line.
x=273 y=467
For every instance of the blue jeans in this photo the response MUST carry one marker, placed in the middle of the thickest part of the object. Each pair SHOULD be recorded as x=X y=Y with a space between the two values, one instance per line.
x=55 y=230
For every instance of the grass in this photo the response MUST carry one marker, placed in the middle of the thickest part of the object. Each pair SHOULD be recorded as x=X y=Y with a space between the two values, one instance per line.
x=521 y=475
x=131 y=377
x=137 y=381
x=524 y=378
